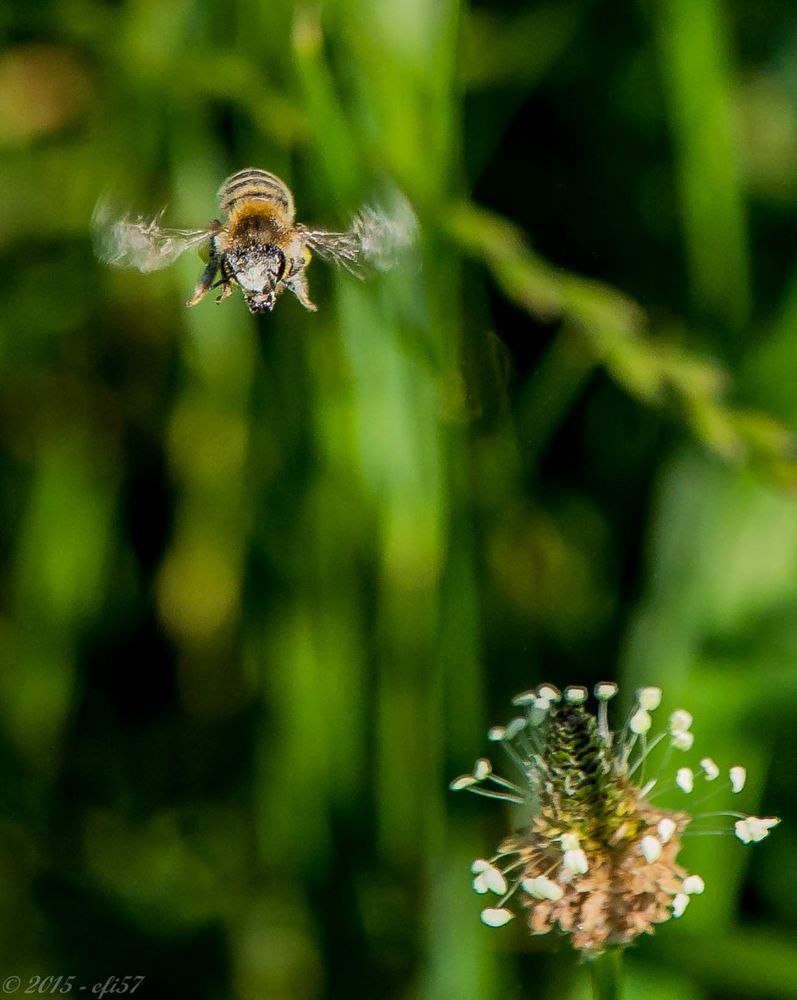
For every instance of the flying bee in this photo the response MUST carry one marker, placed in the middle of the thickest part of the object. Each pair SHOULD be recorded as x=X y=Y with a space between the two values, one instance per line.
x=258 y=247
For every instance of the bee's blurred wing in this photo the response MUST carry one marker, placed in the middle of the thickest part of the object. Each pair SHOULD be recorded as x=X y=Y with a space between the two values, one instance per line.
x=376 y=238
x=344 y=249
x=387 y=231
x=135 y=242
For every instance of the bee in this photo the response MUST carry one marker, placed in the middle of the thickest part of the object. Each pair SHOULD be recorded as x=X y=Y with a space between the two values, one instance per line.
x=258 y=247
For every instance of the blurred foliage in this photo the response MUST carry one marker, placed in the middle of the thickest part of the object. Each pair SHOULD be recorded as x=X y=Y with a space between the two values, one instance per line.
x=266 y=581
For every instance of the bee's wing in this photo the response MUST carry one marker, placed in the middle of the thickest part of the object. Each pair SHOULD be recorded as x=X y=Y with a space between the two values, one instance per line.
x=375 y=238
x=140 y=243
x=344 y=249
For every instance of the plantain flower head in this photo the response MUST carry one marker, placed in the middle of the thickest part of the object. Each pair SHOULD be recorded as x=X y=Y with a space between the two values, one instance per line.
x=597 y=860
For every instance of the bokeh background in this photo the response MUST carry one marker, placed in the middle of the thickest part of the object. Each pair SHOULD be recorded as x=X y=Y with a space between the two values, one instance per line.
x=266 y=581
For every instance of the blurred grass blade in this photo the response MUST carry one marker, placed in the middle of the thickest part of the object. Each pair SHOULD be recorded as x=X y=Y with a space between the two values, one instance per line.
x=694 y=40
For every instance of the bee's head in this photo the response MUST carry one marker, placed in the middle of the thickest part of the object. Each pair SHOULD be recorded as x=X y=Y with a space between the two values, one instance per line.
x=258 y=269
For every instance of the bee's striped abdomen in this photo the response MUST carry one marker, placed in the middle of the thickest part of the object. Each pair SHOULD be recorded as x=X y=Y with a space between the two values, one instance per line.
x=253 y=184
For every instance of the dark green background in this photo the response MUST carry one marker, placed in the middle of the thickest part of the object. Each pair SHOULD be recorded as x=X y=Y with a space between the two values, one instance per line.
x=266 y=581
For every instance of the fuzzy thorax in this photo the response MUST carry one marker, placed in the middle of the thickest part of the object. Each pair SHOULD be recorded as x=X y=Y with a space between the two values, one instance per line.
x=256 y=221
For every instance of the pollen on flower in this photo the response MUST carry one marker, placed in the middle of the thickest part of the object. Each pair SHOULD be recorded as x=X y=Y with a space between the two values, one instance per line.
x=549 y=692
x=497 y=916
x=542 y=888
x=651 y=849
x=597 y=860
x=605 y=690
x=575 y=862
x=682 y=741
x=693 y=885
x=710 y=769
x=487 y=878
x=481 y=769
x=752 y=829
x=649 y=698
x=680 y=721
x=679 y=904
x=665 y=829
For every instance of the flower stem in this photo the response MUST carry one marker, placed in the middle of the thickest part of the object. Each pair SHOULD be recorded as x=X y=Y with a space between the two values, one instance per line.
x=606 y=971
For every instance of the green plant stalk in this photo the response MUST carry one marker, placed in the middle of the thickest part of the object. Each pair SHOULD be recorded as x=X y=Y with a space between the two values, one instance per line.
x=607 y=974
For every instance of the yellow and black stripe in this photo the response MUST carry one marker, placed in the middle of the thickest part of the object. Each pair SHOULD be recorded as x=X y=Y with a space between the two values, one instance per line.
x=253 y=184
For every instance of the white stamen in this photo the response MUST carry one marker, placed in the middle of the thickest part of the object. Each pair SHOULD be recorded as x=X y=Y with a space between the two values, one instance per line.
x=542 y=888
x=480 y=865
x=525 y=698
x=463 y=781
x=496 y=916
x=640 y=722
x=490 y=880
x=738 y=776
x=710 y=769
x=576 y=861
x=605 y=691
x=679 y=904
x=647 y=788
x=651 y=849
x=576 y=695
x=496 y=734
x=482 y=768
x=539 y=711
x=549 y=692
x=649 y=698
x=680 y=721
x=684 y=779
x=515 y=726
x=683 y=741
x=693 y=885
x=569 y=841
x=666 y=829
x=753 y=829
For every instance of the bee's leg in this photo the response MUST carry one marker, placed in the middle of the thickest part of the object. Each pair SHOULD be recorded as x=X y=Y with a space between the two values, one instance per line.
x=204 y=283
x=225 y=282
x=208 y=275
x=296 y=282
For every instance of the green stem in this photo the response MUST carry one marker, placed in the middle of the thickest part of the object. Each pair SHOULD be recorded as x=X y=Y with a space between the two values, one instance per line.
x=607 y=974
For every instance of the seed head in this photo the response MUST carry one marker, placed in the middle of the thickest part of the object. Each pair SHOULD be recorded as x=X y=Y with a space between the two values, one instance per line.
x=597 y=860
